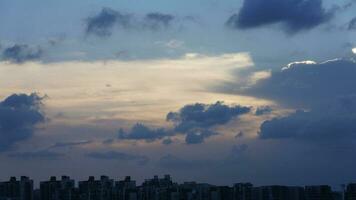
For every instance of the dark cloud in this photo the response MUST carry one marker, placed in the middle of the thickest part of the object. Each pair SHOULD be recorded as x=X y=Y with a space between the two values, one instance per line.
x=352 y=24
x=326 y=90
x=120 y=156
x=167 y=141
x=69 y=144
x=107 y=19
x=198 y=136
x=41 y=155
x=239 y=135
x=157 y=21
x=295 y=15
x=308 y=85
x=142 y=132
x=19 y=116
x=20 y=53
x=194 y=121
x=205 y=116
x=333 y=123
x=263 y=110
x=103 y=23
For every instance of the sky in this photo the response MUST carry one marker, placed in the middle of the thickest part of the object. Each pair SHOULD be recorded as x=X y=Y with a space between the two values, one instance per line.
x=205 y=90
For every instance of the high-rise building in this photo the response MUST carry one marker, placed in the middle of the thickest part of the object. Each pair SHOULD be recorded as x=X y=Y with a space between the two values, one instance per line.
x=54 y=189
x=92 y=189
x=277 y=192
x=126 y=189
x=242 y=191
x=322 y=192
x=17 y=190
x=350 y=193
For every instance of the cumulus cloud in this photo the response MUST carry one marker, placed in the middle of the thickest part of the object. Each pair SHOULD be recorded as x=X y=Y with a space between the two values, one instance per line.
x=205 y=115
x=331 y=123
x=295 y=15
x=120 y=156
x=198 y=136
x=327 y=92
x=142 y=132
x=352 y=24
x=308 y=84
x=193 y=121
x=19 y=116
x=20 y=53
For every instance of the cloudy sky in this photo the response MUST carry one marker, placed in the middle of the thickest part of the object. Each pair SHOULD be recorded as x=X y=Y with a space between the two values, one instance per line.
x=206 y=90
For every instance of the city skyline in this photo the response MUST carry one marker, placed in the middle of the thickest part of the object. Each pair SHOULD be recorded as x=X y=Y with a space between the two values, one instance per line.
x=164 y=188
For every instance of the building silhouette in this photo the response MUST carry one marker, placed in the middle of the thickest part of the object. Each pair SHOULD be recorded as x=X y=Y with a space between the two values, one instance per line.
x=54 y=189
x=163 y=188
x=17 y=189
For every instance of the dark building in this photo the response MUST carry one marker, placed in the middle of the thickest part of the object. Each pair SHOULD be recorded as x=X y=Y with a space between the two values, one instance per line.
x=322 y=192
x=350 y=193
x=242 y=191
x=126 y=189
x=278 y=192
x=17 y=189
x=97 y=189
x=54 y=189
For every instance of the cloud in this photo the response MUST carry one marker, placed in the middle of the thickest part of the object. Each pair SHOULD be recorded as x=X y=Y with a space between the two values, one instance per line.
x=332 y=123
x=198 y=136
x=194 y=121
x=205 y=115
x=19 y=116
x=352 y=24
x=69 y=144
x=142 y=132
x=263 y=110
x=167 y=141
x=120 y=156
x=155 y=21
x=308 y=84
x=326 y=92
x=103 y=23
x=295 y=15
x=20 y=53
x=239 y=135
x=41 y=155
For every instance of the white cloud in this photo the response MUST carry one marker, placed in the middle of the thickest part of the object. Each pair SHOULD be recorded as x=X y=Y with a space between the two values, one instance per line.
x=354 y=50
x=307 y=62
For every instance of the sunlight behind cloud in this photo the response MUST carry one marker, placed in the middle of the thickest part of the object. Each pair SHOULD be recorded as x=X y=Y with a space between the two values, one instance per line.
x=130 y=90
